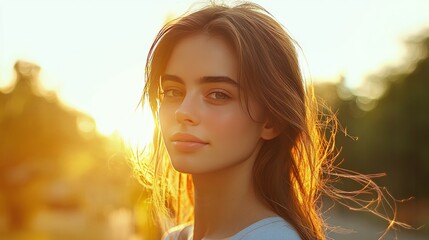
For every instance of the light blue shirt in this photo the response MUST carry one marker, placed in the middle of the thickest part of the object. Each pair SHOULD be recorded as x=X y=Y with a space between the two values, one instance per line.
x=272 y=228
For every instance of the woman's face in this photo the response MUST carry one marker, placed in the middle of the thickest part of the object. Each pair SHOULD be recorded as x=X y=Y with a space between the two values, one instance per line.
x=204 y=126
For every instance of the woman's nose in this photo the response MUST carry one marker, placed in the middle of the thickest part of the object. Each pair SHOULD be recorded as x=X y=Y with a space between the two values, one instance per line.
x=187 y=113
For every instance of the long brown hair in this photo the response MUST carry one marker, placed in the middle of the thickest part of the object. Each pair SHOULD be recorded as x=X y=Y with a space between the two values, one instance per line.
x=291 y=170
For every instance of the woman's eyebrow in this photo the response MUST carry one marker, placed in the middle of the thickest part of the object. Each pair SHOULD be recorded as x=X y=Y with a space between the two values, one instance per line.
x=168 y=77
x=218 y=79
x=202 y=80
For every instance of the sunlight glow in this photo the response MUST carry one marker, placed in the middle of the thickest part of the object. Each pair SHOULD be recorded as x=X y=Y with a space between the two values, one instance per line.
x=92 y=53
x=138 y=129
x=116 y=108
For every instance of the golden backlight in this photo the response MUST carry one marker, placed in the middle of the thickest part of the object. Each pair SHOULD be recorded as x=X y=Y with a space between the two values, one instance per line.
x=64 y=170
x=92 y=53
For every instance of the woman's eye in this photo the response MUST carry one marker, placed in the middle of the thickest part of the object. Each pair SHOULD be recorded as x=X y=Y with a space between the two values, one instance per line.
x=173 y=93
x=218 y=96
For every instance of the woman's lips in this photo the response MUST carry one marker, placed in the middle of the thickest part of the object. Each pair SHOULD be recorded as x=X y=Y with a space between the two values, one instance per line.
x=184 y=142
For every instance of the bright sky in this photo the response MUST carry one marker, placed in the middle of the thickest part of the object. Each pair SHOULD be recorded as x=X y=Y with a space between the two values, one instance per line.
x=92 y=52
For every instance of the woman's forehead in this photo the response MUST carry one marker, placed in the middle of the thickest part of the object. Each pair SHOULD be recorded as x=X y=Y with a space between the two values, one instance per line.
x=201 y=55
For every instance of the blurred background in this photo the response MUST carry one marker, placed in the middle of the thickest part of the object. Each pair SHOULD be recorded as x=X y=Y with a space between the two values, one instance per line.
x=71 y=75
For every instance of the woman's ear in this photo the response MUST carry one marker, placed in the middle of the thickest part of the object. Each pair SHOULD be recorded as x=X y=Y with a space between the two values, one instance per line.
x=269 y=131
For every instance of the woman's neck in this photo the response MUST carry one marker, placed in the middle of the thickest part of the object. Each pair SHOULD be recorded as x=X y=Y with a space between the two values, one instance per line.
x=226 y=202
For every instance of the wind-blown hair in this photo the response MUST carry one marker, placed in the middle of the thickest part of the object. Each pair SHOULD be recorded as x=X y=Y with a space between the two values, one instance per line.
x=291 y=170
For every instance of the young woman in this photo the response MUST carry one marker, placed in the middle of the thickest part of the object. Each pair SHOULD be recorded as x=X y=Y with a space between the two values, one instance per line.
x=238 y=152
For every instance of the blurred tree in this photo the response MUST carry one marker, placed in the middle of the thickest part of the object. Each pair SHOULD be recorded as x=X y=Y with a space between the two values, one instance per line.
x=392 y=129
x=30 y=145
x=57 y=174
x=390 y=119
x=402 y=121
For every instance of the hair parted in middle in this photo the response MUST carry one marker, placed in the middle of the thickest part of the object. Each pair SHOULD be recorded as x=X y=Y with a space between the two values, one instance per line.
x=291 y=170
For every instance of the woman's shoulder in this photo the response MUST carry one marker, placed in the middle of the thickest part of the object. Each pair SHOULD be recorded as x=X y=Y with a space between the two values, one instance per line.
x=181 y=232
x=272 y=228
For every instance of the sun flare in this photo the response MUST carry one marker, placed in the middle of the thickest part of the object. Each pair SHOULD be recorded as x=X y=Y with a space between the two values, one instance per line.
x=116 y=108
x=137 y=131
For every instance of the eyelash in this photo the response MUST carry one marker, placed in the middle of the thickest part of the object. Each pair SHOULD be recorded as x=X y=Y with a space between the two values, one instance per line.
x=224 y=95
x=166 y=92
x=213 y=95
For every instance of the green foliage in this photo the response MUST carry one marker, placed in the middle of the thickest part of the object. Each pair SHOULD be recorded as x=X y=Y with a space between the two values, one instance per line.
x=393 y=129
